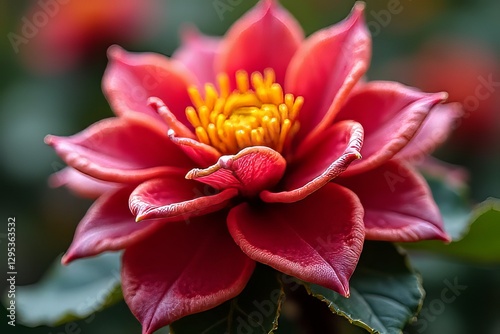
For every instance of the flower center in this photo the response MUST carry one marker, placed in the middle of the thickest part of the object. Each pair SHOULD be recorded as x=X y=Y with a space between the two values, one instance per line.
x=256 y=113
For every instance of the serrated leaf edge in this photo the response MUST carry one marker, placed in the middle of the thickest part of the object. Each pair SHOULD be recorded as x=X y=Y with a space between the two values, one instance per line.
x=360 y=323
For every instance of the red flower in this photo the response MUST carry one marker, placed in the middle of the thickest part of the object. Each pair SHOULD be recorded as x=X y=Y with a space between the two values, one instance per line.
x=57 y=35
x=253 y=169
x=468 y=72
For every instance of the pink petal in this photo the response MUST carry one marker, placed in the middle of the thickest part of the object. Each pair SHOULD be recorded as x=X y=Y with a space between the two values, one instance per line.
x=391 y=115
x=108 y=225
x=326 y=68
x=204 y=155
x=126 y=150
x=265 y=37
x=453 y=175
x=181 y=270
x=318 y=240
x=198 y=53
x=131 y=78
x=176 y=198
x=81 y=184
x=434 y=131
x=169 y=118
x=328 y=156
x=250 y=171
x=398 y=204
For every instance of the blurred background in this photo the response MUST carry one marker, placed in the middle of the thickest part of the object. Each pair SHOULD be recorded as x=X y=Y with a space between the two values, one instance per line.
x=53 y=55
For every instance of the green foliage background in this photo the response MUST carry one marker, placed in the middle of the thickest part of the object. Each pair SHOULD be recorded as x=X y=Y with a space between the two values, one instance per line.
x=32 y=106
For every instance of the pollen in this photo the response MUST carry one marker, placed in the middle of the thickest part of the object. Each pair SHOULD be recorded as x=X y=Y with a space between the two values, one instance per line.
x=255 y=113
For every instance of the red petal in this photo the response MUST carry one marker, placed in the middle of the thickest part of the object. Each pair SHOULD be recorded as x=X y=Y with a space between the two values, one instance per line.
x=169 y=118
x=131 y=79
x=126 y=149
x=318 y=240
x=265 y=37
x=181 y=270
x=455 y=176
x=434 y=131
x=108 y=225
x=81 y=184
x=398 y=204
x=250 y=171
x=326 y=68
x=328 y=156
x=198 y=53
x=203 y=155
x=176 y=198
x=391 y=114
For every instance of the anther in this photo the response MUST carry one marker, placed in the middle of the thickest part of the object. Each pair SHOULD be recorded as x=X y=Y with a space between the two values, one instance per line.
x=256 y=113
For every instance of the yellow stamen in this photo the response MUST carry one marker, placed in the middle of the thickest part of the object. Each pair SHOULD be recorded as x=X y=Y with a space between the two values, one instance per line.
x=212 y=134
x=211 y=96
x=269 y=76
x=289 y=101
x=195 y=97
x=242 y=138
x=192 y=117
x=223 y=80
x=257 y=80
x=204 y=114
x=283 y=111
x=285 y=129
x=202 y=135
x=276 y=93
x=256 y=113
x=297 y=105
x=242 y=81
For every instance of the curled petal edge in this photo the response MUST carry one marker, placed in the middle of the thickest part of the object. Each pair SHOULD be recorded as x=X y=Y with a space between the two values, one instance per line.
x=169 y=118
x=351 y=154
x=250 y=171
x=184 y=209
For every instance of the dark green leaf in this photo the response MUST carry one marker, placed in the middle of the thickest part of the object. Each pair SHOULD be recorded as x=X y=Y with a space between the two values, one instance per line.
x=480 y=244
x=255 y=310
x=453 y=204
x=67 y=293
x=385 y=292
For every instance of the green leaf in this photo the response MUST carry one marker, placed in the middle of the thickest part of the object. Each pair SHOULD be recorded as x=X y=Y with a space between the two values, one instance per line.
x=480 y=244
x=71 y=292
x=385 y=292
x=255 y=310
x=453 y=205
